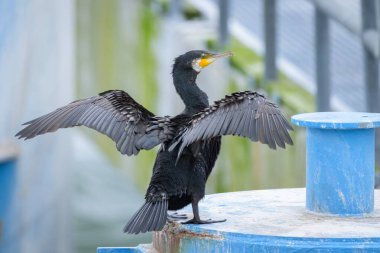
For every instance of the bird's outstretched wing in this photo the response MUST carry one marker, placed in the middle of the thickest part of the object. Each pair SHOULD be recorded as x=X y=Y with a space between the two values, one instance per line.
x=113 y=113
x=248 y=114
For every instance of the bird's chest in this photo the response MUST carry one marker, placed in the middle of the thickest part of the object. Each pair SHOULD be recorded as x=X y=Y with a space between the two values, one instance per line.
x=205 y=155
x=190 y=171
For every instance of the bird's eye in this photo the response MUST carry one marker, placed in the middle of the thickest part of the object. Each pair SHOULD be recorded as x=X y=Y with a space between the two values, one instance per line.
x=202 y=55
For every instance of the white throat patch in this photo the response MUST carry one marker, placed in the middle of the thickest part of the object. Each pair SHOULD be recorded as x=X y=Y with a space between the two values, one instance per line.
x=195 y=65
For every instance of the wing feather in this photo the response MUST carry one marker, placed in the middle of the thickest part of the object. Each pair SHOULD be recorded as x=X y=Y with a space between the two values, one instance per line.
x=238 y=118
x=219 y=122
x=248 y=114
x=274 y=131
x=270 y=137
x=227 y=123
x=113 y=113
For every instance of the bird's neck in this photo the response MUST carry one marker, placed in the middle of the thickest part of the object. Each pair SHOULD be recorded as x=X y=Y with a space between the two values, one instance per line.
x=194 y=98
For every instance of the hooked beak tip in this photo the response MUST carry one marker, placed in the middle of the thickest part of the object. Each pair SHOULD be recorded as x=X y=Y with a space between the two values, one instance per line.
x=225 y=54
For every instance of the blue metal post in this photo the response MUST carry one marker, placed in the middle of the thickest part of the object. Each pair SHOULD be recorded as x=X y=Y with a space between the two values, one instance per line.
x=340 y=157
x=7 y=185
x=340 y=176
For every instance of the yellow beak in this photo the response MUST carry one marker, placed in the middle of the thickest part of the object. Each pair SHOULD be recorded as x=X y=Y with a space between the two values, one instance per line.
x=204 y=62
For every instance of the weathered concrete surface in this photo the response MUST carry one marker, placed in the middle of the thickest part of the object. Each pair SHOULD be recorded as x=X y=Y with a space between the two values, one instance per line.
x=270 y=221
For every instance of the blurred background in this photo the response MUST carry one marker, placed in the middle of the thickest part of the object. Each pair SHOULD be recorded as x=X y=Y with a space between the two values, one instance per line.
x=71 y=191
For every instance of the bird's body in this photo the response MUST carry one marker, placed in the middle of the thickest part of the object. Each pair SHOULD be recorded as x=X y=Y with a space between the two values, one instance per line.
x=184 y=180
x=189 y=142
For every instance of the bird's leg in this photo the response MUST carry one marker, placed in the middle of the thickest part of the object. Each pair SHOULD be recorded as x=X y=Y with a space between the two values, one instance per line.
x=176 y=216
x=197 y=219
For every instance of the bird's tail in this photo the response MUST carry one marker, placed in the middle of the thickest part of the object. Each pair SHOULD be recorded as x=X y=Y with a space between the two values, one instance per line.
x=150 y=217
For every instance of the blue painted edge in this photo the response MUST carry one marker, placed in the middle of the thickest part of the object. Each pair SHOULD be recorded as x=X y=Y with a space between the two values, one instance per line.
x=337 y=120
x=241 y=241
x=137 y=249
x=261 y=242
x=281 y=242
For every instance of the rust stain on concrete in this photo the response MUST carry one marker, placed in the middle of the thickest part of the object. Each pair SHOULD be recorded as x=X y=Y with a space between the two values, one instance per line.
x=169 y=239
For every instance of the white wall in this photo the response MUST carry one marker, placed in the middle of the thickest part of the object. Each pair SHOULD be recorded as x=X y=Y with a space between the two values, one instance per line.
x=36 y=76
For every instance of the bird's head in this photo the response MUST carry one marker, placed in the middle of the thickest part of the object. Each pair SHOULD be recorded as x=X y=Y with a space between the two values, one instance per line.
x=185 y=71
x=197 y=59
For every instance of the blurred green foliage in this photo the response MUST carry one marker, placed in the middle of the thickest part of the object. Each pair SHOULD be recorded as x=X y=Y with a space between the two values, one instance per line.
x=190 y=12
x=108 y=59
x=146 y=67
x=96 y=32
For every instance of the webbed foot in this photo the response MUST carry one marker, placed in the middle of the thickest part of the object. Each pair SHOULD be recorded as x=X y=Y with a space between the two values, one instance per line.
x=196 y=221
x=176 y=216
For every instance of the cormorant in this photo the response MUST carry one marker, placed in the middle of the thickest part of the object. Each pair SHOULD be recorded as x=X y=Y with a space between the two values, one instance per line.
x=190 y=142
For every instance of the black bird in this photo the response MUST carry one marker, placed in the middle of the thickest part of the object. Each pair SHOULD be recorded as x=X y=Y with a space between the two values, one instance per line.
x=190 y=142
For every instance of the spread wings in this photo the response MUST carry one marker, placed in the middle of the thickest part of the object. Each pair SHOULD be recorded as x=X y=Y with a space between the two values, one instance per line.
x=248 y=114
x=113 y=113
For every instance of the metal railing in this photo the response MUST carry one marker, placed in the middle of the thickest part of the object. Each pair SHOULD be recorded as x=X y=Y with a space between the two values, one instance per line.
x=365 y=26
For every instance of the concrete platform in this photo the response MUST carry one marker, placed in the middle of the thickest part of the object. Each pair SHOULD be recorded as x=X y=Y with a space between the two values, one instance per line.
x=270 y=221
x=266 y=221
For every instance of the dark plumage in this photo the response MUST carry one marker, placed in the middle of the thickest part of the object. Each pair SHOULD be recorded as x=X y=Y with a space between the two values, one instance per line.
x=190 y=142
